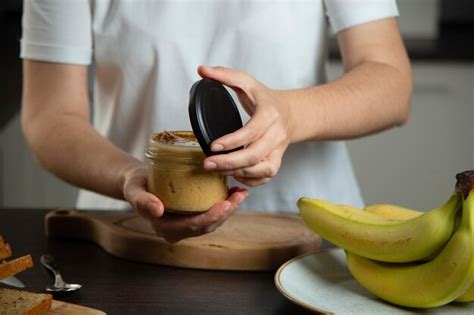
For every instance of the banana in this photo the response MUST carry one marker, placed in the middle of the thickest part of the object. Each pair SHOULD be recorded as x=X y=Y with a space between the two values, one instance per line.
x=429 y=284
x=378 y=238
x=397 y=213
x=349 y=212
x=467 y=296
x=385 y=211
x=393 y=212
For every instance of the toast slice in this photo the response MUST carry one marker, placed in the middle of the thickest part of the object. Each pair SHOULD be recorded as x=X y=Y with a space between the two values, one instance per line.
x=5 y=250
x=16 y=302
x=15 y=266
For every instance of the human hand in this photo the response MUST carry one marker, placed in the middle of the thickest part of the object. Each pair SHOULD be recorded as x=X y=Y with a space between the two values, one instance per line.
x=265 y=137
x=175 y=227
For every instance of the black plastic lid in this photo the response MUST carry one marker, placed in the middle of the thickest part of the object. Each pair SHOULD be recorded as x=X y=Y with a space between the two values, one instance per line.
x=213 y=113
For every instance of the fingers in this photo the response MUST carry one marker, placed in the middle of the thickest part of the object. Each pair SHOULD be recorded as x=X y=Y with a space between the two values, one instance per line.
x=267 y=168
x=237 y=196
x=264 y=138
x=249 y=133
x=243 y=84
x=234 y=79
x=217 y=215
x=250 y=156
x=178 y=229
x=175 y=227
x=146 y=204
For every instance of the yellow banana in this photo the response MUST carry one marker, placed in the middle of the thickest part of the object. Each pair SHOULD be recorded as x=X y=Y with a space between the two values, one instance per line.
x=350 y=210
x=428 y=284
x=379 y=238
x=393 y=212
x=385 y=211
x=467 y=296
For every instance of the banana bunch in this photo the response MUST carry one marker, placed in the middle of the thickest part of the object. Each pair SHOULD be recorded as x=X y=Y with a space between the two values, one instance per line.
x=404 y=256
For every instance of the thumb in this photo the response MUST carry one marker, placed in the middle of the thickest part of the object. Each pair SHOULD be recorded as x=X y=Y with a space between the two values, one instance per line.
x=146 y=204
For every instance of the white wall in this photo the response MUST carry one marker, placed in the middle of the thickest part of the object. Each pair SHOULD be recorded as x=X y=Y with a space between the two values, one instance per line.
x=23 y=182
x=413 y=165
x=419 y=18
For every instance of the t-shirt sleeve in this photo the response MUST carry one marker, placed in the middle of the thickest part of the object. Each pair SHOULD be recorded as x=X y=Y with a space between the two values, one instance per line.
x=348 y=13
x=57 y=31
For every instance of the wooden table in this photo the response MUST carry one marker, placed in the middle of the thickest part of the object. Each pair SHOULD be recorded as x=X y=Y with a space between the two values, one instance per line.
x=118 y=286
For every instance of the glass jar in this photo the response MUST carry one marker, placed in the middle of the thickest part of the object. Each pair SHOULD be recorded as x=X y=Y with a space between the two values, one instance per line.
x=176 y=175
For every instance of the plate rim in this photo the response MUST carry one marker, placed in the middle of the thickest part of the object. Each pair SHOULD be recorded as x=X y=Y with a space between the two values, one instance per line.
x=286 y=294
x=291 y=298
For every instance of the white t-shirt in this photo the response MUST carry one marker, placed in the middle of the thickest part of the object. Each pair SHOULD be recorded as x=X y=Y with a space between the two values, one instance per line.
x=145 y=54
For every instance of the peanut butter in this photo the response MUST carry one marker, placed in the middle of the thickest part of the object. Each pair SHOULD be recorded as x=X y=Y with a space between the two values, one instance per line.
x=176 y=175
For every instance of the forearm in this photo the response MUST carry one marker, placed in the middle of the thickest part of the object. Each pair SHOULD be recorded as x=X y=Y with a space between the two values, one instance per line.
x=374 y=94
x=55 y=121
x=371 y=97
x=69 y=147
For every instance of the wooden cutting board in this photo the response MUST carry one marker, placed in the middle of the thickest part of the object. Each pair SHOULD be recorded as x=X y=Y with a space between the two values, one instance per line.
x=61 y=308
x=246 y=241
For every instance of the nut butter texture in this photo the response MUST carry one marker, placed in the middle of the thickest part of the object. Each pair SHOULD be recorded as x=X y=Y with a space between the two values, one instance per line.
x=176 y=175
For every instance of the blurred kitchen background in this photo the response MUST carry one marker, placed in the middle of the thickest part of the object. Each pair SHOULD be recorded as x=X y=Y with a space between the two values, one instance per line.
x=412 y=166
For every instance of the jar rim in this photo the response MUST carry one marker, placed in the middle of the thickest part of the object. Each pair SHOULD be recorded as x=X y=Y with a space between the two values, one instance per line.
x=177 y=138
x=174 y=150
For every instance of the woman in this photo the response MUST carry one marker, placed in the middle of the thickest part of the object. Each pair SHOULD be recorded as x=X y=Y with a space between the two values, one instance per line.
x=271 y=53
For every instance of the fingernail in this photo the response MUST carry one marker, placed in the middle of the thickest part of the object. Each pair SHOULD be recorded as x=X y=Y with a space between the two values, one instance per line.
x=226 y=207
x=217 y=147
x=209 y=165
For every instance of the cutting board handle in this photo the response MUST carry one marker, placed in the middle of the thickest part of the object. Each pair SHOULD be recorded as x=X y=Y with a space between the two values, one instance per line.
x=70 y=223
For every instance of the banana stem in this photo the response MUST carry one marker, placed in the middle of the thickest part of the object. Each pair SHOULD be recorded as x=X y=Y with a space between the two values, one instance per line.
x=465 y=183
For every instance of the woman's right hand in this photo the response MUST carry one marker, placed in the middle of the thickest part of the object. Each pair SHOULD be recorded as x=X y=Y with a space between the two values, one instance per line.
x=175 y=227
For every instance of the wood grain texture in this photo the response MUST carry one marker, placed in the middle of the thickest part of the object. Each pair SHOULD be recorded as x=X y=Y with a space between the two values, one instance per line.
x=247 y=241
x=61 y=308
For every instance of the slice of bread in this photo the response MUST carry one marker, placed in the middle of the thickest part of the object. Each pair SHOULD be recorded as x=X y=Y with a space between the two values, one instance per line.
x=15 y=302
x=5 y=250
x=15 y=266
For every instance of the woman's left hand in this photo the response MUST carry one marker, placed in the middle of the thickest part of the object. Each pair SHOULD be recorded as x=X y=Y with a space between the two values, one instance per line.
x=265 y=137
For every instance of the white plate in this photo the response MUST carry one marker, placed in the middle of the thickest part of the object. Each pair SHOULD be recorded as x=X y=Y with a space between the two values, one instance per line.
x=322 y=283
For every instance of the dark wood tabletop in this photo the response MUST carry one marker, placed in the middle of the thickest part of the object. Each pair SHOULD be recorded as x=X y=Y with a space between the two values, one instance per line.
x=118 y=286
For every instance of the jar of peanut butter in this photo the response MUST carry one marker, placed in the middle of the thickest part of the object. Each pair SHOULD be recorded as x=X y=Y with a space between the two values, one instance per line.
x=176 y=175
